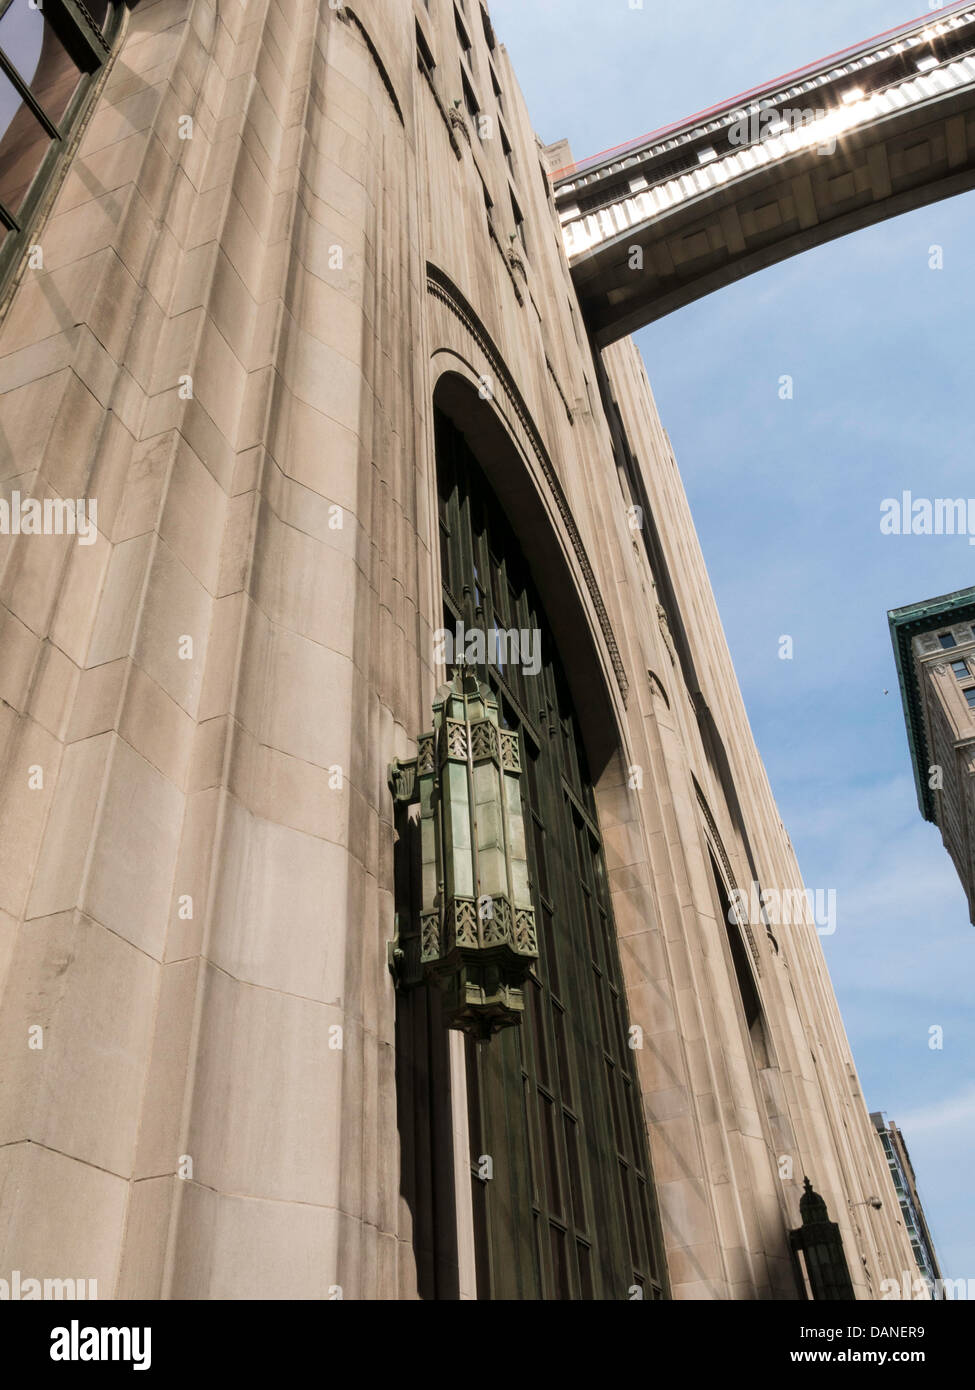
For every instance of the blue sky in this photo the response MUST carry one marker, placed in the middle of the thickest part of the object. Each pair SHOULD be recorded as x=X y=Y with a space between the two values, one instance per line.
x=786 y=496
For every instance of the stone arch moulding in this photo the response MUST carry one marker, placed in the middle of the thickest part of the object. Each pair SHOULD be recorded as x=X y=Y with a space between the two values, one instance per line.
x=520 y=471
x=349 y=16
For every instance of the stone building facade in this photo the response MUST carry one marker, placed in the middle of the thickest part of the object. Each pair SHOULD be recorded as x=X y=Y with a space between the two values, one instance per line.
x=912 y=1208
x=934 y=650
x=293 y=250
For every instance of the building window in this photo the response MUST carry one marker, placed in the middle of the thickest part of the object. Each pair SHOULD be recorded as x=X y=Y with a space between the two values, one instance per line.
x=50 y=58
x=424 y=58
x=970 y=696
x=470 y=100
x=488 y=29
x=947 y=641
x=960 y=669
x=570 y=1212
x=751 y=1004
x=506 y=148
x=462 y=35
x=519 y=219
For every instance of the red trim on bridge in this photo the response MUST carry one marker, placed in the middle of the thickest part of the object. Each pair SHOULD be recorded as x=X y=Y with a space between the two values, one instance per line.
x=932 y=17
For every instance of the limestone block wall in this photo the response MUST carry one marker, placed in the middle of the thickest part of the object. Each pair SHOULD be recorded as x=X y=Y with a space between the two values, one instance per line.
x=196 y=901
x=808 y=1100
x=233 y=346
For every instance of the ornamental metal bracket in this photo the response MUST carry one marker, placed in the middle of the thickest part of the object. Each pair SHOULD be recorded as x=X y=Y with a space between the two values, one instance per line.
x=476 y=937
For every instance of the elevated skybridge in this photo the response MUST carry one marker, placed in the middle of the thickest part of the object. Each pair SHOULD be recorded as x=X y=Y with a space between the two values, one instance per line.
x=866 y=134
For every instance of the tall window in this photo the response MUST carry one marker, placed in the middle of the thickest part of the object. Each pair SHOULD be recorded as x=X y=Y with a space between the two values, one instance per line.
x=49 y=60
x=519 y=220
x=751 y=1004
x=565 y=1207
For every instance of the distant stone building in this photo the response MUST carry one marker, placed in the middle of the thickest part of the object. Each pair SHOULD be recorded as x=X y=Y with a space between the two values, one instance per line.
x=287 y=313
x=934 y=648
x=905 y=1184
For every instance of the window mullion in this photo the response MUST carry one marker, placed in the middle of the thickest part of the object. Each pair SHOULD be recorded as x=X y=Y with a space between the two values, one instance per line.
x=27 y=96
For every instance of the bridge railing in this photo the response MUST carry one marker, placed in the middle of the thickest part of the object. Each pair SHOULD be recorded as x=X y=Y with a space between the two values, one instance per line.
x=934 y=20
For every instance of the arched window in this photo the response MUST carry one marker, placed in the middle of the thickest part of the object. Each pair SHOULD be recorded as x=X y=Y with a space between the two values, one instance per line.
x=51 y=55
x=565 y=1209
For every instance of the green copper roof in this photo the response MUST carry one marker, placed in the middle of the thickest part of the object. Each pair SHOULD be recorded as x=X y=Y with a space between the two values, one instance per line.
x=905 y=625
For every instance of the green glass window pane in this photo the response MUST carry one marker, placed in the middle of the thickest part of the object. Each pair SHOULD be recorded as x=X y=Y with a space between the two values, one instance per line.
x=585 y=1270
x=560 y=1269
x=635 y=1111
x=549 y=960
x=612 y=1087
x=626 y=1178
x=553 y=1186
x=603 y=1007
x=562 y=1053
x=534 y=991
x=541 y=868
x=531 y=774
x=645 y=1202
x=575 y=1173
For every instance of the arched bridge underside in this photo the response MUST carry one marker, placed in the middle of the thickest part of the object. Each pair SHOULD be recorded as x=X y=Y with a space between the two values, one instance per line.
x=870 y=133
